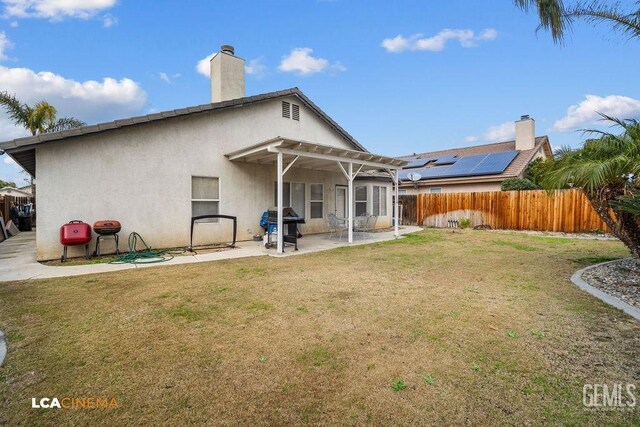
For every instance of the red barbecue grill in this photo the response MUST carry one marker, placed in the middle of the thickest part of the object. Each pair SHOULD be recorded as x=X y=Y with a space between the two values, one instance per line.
x=75 y=233
x=107 y=228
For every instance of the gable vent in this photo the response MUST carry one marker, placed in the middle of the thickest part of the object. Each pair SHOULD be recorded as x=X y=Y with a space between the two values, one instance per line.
x=286 y=109
x=295 y=114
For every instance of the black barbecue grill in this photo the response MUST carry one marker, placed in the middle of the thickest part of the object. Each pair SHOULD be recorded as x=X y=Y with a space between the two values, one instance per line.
x=108 y=228
x=290 y=221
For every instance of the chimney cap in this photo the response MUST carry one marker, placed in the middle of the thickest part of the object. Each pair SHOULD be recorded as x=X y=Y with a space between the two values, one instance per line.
x=227 y=48
x=525 y=117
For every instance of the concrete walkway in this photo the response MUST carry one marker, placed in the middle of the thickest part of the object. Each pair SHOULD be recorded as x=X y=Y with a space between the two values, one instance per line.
x=18 y=255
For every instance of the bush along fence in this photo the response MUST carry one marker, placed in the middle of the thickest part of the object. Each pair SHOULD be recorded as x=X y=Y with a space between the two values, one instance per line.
x=567 y=211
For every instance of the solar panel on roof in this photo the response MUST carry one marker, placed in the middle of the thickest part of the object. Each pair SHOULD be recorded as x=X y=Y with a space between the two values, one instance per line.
x=446 y=160
x=464 y=165
x=481 y=164
x=494 y=163
x=418 y=163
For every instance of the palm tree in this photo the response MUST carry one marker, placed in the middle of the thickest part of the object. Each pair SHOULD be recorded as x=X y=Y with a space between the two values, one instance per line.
x=555 y=17
x=551 y=14
x=607 y=169
x=39 y=118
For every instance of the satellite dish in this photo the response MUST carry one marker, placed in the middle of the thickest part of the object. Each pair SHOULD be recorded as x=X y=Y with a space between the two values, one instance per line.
x=414 y=176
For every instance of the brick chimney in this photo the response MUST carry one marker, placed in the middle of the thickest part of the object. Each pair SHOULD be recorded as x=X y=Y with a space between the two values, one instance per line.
x=525 y=133
x=227 y=75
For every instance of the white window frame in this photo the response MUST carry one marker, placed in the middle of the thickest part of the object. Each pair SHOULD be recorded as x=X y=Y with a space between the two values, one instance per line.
x=382 y=208
x=435 y=190
x=212 y=220
x=312 y=201
x=288 y=203
x=356 y=200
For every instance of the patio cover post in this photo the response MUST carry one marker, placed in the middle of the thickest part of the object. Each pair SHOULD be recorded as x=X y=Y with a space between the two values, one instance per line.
x=350 y=204
x=395 y=205
x=279 y=207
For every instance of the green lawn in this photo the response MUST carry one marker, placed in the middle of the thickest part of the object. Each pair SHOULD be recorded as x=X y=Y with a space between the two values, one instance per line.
x=441 y=327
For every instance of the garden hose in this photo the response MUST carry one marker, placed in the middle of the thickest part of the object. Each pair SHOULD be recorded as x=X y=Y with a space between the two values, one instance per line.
x=144 y=256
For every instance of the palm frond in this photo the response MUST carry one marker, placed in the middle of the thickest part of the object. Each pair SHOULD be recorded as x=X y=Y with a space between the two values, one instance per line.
x=42 y=116
x=629 y=203
x=551 y=14
x=65 y=123
x=18 y=112
x=625 y=22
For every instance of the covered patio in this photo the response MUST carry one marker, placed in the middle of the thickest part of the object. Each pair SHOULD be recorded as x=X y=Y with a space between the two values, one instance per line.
x=285 y=154
x=18 y=255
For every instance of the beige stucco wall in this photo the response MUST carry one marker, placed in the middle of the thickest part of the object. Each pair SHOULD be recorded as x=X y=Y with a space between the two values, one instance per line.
x=456 y=188
x=141 y=176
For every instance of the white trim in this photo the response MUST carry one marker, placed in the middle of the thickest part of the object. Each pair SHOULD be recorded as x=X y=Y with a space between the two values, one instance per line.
x=396 y=222
x=279 y=236
x=217 y=178
x=350 y=205
x=289 y=165
x=311 y=200
x=277 y=149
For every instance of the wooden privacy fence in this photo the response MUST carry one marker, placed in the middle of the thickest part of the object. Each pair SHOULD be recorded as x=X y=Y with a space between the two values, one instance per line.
x=564 y=210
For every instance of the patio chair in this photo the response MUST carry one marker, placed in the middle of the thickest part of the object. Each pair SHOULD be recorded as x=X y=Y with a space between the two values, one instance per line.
x=371 y=223
x=360 y=225
x=336 y=225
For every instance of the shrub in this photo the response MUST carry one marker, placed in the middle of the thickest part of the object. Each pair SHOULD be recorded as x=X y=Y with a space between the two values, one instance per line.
x=465 y=223
x=516 y=184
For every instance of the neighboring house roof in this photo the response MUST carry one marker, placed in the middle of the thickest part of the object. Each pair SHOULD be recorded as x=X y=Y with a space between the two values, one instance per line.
x=22 y=149
x=515 y=169
x=15 y=192
x=26 y=188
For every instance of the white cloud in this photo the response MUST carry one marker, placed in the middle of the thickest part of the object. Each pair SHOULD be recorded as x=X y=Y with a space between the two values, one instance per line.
x=55 y=9
x=203 y=67
x=586 y=112
x=256 y=68
x=14 y=24
x=5 y=44
x=8 y=130
x=301 y=61
x=109 y=21
x=165 y=77
x=488 y=34
x=418 y=42
x=502 y=132
x=90 y=100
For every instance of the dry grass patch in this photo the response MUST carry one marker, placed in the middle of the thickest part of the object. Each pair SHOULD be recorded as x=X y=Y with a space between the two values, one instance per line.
x=437 y=328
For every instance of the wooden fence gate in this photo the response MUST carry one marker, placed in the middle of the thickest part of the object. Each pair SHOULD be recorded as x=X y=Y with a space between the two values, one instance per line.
x=563 y=210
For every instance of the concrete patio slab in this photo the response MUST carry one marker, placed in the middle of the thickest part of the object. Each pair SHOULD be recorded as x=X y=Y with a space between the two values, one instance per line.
x=18 y=255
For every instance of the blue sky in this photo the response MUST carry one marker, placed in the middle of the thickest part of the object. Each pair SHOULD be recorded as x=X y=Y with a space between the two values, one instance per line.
x=402 y=77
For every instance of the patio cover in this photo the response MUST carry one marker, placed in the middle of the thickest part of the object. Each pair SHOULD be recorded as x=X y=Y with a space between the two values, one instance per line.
x=286 y=153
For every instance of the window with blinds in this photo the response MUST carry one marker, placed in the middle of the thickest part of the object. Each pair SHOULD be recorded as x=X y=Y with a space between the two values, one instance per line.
x=379 y=200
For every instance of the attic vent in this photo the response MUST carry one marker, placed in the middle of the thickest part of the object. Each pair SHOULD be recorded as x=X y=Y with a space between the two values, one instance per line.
x=296 y=112
x=286 y=109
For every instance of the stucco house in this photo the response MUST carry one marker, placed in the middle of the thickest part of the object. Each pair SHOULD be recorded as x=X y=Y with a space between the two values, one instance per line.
x=477 y=168
x=236 y=156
